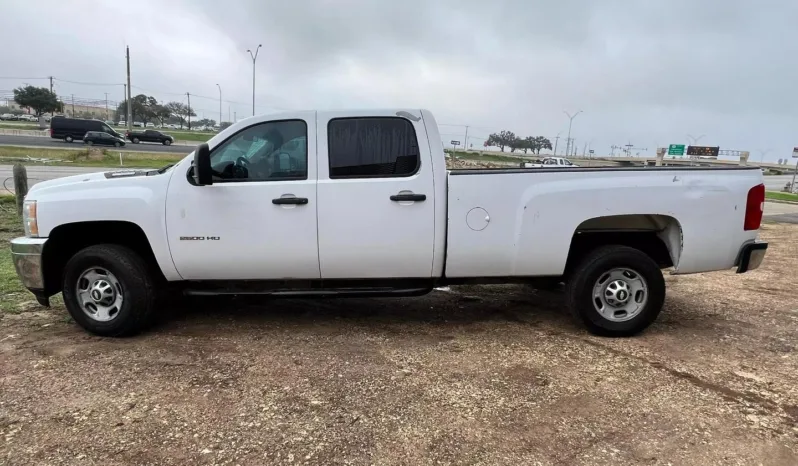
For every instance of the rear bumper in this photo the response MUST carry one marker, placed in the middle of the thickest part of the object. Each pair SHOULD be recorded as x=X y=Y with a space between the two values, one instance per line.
x=751 y=256
x=27 y=256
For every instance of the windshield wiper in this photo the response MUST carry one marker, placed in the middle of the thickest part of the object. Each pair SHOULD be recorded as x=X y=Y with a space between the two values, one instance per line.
x=163 y=169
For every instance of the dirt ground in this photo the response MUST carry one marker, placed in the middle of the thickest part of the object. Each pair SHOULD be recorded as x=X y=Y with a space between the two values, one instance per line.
x=475 y=375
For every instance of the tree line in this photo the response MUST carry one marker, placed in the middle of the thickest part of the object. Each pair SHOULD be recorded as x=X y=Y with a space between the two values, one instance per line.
x=144 y=108
x=504 y=139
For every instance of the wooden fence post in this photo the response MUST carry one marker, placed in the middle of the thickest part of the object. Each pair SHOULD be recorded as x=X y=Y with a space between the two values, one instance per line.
x=20 y=185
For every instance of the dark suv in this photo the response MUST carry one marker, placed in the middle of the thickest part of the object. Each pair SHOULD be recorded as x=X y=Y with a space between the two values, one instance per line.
x=149 y=135
x=70 y=129
x=101 y=138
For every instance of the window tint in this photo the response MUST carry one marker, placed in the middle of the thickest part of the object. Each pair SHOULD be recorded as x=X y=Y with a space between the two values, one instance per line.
x=372 y=147
x=276 y=150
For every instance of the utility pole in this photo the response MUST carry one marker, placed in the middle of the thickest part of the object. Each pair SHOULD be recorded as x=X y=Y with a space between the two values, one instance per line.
x=73 y=105
x=51 y=84
x=254 y=57
x=106 y=106
x=124 y=99
x=556 y=141
x=220 y=103
x=188 y=111
x=570 y=123
x=465 y=143
x=129 y=104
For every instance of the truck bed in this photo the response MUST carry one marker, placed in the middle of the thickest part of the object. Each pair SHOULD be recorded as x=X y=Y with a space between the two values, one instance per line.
x=522 y=222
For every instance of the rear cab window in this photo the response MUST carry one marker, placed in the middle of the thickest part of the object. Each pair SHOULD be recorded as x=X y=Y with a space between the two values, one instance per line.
x=372 y=147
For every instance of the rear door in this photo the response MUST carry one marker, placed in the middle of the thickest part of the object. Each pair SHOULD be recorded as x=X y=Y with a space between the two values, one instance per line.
x=375 y=196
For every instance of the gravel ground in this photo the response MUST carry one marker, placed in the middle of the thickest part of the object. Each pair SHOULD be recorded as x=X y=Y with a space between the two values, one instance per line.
x=474 y=375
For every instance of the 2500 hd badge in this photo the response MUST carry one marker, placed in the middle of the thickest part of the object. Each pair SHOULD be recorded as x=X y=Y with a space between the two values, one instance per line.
x=199 y=238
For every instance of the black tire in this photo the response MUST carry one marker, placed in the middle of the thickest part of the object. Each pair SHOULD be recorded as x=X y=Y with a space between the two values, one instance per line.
x=68 y=139
x=88 y=143
x=167 y=142
x=138 y=285
x=117 y=144
x=135 y=140
x=579 y=290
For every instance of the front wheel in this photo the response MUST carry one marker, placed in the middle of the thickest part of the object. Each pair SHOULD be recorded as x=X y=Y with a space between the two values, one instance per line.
x=616 y=291
x=135 y=140
x=117 y=144
x=89 y=143
x=167 y=142
x=109 y=290
x=68 y=139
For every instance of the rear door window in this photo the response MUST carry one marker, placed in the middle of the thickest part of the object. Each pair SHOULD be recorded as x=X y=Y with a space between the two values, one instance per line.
x=372 y=147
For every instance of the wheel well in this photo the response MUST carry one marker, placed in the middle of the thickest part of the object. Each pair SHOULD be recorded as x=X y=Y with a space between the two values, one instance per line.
x=66 y=240
x=658 y=236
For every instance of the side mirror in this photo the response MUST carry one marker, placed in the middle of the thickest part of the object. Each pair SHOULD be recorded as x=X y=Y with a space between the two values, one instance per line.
x=203 y=175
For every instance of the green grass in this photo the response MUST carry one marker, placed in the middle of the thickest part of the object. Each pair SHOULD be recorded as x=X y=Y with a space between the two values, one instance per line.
x=12 y=293
x=484 y=157
x=80 y=158
x=775 y=195
x=189 y=135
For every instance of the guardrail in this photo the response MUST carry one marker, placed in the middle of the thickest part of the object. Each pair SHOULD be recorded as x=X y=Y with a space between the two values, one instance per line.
x=24 y=132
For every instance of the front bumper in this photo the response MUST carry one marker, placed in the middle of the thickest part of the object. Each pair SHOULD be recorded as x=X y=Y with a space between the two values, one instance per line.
x=751 y=256
x=27 y=256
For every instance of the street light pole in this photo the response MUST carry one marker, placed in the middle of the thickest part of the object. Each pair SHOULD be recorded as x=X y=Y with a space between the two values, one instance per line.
x=220 y=103
x=254 y=57
x=570 y=123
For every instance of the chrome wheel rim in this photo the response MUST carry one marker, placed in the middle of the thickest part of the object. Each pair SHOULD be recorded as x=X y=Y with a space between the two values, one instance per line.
x=620 y=294
x=99 y=294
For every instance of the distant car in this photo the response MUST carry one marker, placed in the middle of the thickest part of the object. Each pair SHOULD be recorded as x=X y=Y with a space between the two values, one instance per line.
x=149 y=135
x=70 y=129
x=122 y=123
x=8 y=117
x=101 y=138
x=26 y=117
x=550 y=162
x=138 y=124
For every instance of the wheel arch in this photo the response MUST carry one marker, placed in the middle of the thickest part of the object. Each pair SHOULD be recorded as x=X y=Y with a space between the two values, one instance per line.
x=658 y=236
x=67 y=239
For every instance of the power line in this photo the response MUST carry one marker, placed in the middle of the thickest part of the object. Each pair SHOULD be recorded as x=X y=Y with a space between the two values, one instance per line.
x=85 y=84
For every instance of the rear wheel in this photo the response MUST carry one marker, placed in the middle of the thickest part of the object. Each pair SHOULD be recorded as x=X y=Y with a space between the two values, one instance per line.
x=109 y=291
x=616 y=291
x=68 y=139
x=135 y=140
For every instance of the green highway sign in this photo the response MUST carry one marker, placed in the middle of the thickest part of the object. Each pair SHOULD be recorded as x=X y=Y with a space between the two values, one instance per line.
x=676 y=149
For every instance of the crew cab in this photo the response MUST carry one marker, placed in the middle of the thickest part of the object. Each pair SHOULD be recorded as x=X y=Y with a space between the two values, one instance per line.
x=149 y=135
x=360 y=203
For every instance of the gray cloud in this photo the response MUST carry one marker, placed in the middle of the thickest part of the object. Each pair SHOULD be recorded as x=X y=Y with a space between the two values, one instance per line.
x=649 y=72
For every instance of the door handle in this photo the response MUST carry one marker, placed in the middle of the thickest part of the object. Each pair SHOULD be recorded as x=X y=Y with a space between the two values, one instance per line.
x=408 y=197
x=290 y=200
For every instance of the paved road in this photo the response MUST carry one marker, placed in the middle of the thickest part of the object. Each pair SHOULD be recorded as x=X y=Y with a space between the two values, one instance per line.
x=777 y=182
x=35 y=141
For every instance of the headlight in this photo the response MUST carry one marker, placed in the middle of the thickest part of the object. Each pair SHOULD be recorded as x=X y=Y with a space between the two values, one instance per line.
x=29 y=219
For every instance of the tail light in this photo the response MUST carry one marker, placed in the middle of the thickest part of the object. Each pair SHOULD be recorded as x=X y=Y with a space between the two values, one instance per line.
x=51 y=132
x=754 y=207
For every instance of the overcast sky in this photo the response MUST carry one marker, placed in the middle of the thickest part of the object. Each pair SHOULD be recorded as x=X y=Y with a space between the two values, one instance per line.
x=645 y=72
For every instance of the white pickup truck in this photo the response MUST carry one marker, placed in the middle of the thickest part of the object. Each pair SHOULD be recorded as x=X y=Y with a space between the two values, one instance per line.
x=360 y=203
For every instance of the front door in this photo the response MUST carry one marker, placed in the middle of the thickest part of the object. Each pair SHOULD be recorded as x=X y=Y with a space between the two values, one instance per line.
x=258 y=218
x=376 y=202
